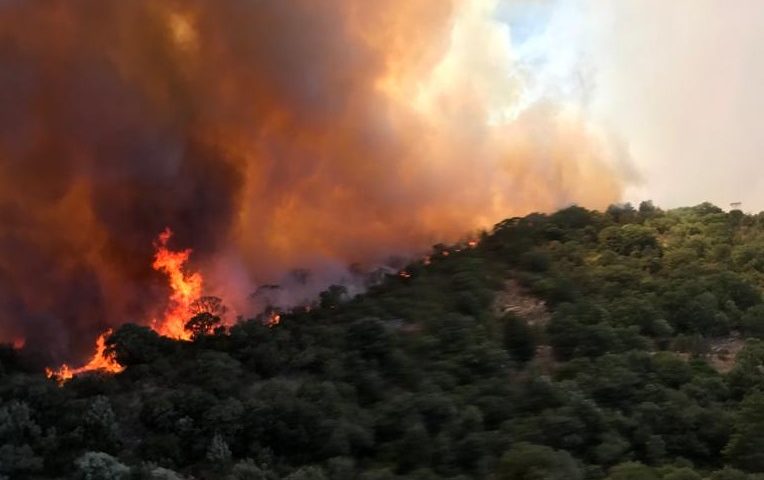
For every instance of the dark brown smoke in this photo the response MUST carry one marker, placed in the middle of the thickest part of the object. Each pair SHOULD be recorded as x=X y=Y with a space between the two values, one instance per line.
x=267 y=134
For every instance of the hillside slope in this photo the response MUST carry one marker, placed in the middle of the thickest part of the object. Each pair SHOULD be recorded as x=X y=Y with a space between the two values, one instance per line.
x=576 y=345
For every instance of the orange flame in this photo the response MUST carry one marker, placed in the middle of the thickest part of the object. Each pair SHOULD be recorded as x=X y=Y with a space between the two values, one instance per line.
x=273 y=319
x=186 y=288
x=100 y=361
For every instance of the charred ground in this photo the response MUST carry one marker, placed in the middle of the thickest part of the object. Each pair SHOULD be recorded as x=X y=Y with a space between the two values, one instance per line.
x=576 y=345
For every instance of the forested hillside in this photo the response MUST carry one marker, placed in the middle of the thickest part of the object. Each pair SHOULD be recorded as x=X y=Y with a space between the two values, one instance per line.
x=579 y=345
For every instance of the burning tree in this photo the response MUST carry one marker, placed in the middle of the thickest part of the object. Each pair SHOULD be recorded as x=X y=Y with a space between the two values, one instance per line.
x=209 y=304
x=185 y=287
x=208 y=316
x=101 y=360
x=187 y=316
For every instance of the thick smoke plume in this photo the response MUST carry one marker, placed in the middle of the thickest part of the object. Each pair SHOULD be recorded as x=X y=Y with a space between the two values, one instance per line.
x=267 y=134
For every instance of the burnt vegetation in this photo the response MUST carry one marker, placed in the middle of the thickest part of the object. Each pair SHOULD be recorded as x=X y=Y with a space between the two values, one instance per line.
x=645 y=364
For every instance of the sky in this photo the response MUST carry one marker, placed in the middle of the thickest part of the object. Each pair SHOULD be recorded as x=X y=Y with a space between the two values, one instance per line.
x=677 y=84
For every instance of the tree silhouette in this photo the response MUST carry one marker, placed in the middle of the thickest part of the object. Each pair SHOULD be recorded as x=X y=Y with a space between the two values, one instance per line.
x=208 y=316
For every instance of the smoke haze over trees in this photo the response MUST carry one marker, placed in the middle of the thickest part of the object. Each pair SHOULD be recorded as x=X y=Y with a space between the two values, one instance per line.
x=268 y=136
x=574 y=345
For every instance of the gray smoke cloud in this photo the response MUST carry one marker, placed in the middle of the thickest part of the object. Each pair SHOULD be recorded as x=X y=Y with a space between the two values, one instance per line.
x=268 y=135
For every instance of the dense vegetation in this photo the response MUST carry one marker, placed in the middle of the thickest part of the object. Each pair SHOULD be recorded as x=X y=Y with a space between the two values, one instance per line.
x=625 y=372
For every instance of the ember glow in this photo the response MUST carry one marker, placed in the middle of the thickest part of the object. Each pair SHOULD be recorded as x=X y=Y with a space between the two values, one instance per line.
x=273 y=319
x=271 y=135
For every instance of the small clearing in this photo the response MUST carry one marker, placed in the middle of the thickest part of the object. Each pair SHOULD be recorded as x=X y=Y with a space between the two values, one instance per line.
x=516 y=299
x=723 y=353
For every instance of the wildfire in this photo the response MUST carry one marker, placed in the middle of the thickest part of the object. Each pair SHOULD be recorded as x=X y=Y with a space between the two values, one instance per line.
x=273 y=319
x=100 y=361
x=186 y=288
x=184 y=303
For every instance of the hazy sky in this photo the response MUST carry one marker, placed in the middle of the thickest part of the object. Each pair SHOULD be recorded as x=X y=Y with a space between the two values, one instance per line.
x=678 y=83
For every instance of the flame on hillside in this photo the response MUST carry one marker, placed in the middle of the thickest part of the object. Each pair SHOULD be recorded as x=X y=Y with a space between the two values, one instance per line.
x=185 y=289
x=185 y=301
x=274 y=318
x=271 y=135
x=100 y=361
